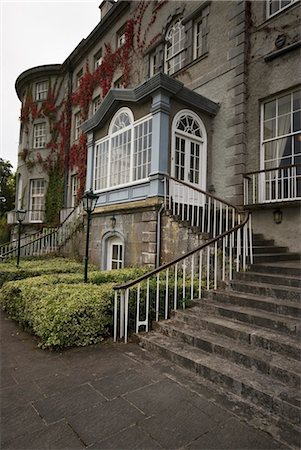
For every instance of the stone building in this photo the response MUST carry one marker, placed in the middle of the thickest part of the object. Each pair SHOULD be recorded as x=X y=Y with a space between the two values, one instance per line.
x=204 y=92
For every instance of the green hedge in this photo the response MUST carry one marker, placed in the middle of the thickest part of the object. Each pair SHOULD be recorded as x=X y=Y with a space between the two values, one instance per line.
x=36 y=267
x=63 y=315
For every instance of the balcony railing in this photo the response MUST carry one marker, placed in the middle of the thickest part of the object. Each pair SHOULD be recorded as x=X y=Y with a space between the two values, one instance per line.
x=281 y=184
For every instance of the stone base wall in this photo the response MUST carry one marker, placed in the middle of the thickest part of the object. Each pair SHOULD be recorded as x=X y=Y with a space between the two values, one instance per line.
x=287 y=233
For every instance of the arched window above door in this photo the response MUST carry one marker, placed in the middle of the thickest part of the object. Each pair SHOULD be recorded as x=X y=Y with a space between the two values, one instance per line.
x=189 y=148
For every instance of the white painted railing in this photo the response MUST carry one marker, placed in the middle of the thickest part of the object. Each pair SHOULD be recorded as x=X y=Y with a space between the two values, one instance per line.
x=151 y=297
x=282 y=184
x=47 y=241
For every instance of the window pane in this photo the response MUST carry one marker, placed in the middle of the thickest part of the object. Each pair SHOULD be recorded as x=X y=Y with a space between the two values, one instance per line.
x=297 y=121
x=296 y=100
x=284 y=125
x=270 y=110
x=284 y=105
x=269 y=129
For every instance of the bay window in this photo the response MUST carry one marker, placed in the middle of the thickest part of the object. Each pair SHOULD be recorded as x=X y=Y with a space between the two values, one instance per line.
x=125 y=155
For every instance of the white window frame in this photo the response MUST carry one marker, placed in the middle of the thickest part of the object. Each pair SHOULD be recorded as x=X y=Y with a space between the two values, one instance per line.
x=78 y=78
x=202 y=141
x=102 y=173
x=37 y=215
x=39 y=135
x=42 y=90
x=280 y=8
x=120 y=38
x=169 y=37
x=115 y=241
x=98 y=59
x=75 y=182
x=77 y=124
x=96 y=103
x=263 y=179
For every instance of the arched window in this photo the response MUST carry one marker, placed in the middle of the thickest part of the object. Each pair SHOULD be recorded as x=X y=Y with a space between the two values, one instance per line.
x=115 y=253
x=174 y=47
x=189 y=148
x=112 y=251
x=124 y=156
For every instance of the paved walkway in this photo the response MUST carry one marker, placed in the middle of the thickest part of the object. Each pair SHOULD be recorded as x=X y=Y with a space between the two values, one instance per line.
x=110 y=396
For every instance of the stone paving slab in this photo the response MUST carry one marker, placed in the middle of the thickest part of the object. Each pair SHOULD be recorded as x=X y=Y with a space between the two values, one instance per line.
x=110 y=396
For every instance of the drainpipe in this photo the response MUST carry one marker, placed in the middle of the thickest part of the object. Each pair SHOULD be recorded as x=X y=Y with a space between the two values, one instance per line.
x=159 y=219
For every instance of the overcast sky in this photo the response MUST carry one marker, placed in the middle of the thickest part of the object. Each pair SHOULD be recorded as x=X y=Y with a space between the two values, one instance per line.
x=35 y=33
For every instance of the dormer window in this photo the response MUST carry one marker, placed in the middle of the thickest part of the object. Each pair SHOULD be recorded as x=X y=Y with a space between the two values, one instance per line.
x=41 y=90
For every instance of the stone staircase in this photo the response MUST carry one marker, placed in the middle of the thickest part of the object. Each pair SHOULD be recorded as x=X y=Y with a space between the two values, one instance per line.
x=243 y=340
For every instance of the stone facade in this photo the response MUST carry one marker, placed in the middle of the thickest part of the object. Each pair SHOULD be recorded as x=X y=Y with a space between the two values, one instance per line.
x=224 y=81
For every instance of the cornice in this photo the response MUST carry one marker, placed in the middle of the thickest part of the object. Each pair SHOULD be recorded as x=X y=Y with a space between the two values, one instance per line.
x=34 y=73
x=158 y=83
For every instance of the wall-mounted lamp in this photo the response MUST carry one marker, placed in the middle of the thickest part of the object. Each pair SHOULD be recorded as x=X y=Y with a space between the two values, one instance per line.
x=277 y=215
x=113 y=222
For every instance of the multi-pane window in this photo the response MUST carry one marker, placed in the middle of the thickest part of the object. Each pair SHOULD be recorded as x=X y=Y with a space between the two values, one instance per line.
x=115 y=253
x=281 y=130
x=125 y=155
x=275 y=6
x=39 y=135
x=98 y=59
x=78 y=77
x=77 y=124
x=96 y=103
x=41 y=90
x=37 y=200
x=121 y=38
x=201 y=36
x=175 y=48
x=74 y=189
x=142 y=149
x=189 y=149
x=118 y=84
x=281 y=143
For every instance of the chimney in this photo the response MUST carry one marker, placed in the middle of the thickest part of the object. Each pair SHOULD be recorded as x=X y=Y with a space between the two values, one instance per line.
x=105 y=7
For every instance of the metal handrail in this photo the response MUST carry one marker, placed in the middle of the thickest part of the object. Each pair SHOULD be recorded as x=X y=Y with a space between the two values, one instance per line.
x=229 y=250
x=246 y=175
x=39 y=239
x=181 y=258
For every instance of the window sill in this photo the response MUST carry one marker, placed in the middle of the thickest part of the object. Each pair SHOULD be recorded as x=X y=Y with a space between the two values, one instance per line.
x=192 y=63
x=282 y=51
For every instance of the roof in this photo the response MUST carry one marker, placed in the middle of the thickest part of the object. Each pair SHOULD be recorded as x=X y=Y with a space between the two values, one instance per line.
x=158 y=83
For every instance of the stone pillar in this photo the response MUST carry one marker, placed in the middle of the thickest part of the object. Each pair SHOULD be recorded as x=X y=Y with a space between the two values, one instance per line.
x=90 y=158
x=237 y=87
x=149 y=238
x=160 y=142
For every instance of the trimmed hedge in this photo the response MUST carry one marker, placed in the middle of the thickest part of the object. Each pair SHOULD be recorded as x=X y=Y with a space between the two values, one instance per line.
x=36 y=267
x=63 y=315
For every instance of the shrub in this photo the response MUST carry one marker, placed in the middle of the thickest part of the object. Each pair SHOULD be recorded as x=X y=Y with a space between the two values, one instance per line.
x=36 y=267
x=62 y=316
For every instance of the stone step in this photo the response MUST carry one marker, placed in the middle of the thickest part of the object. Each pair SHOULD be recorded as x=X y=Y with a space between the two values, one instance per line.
x=241 y=332
x=275 y=257
x=281 y=368
x=264 y=319
x=265 y=249
x=267 y=290
x=254 y=387
x=277 y=306
x=293 y=269
x=268 y=278
x=263 y=242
